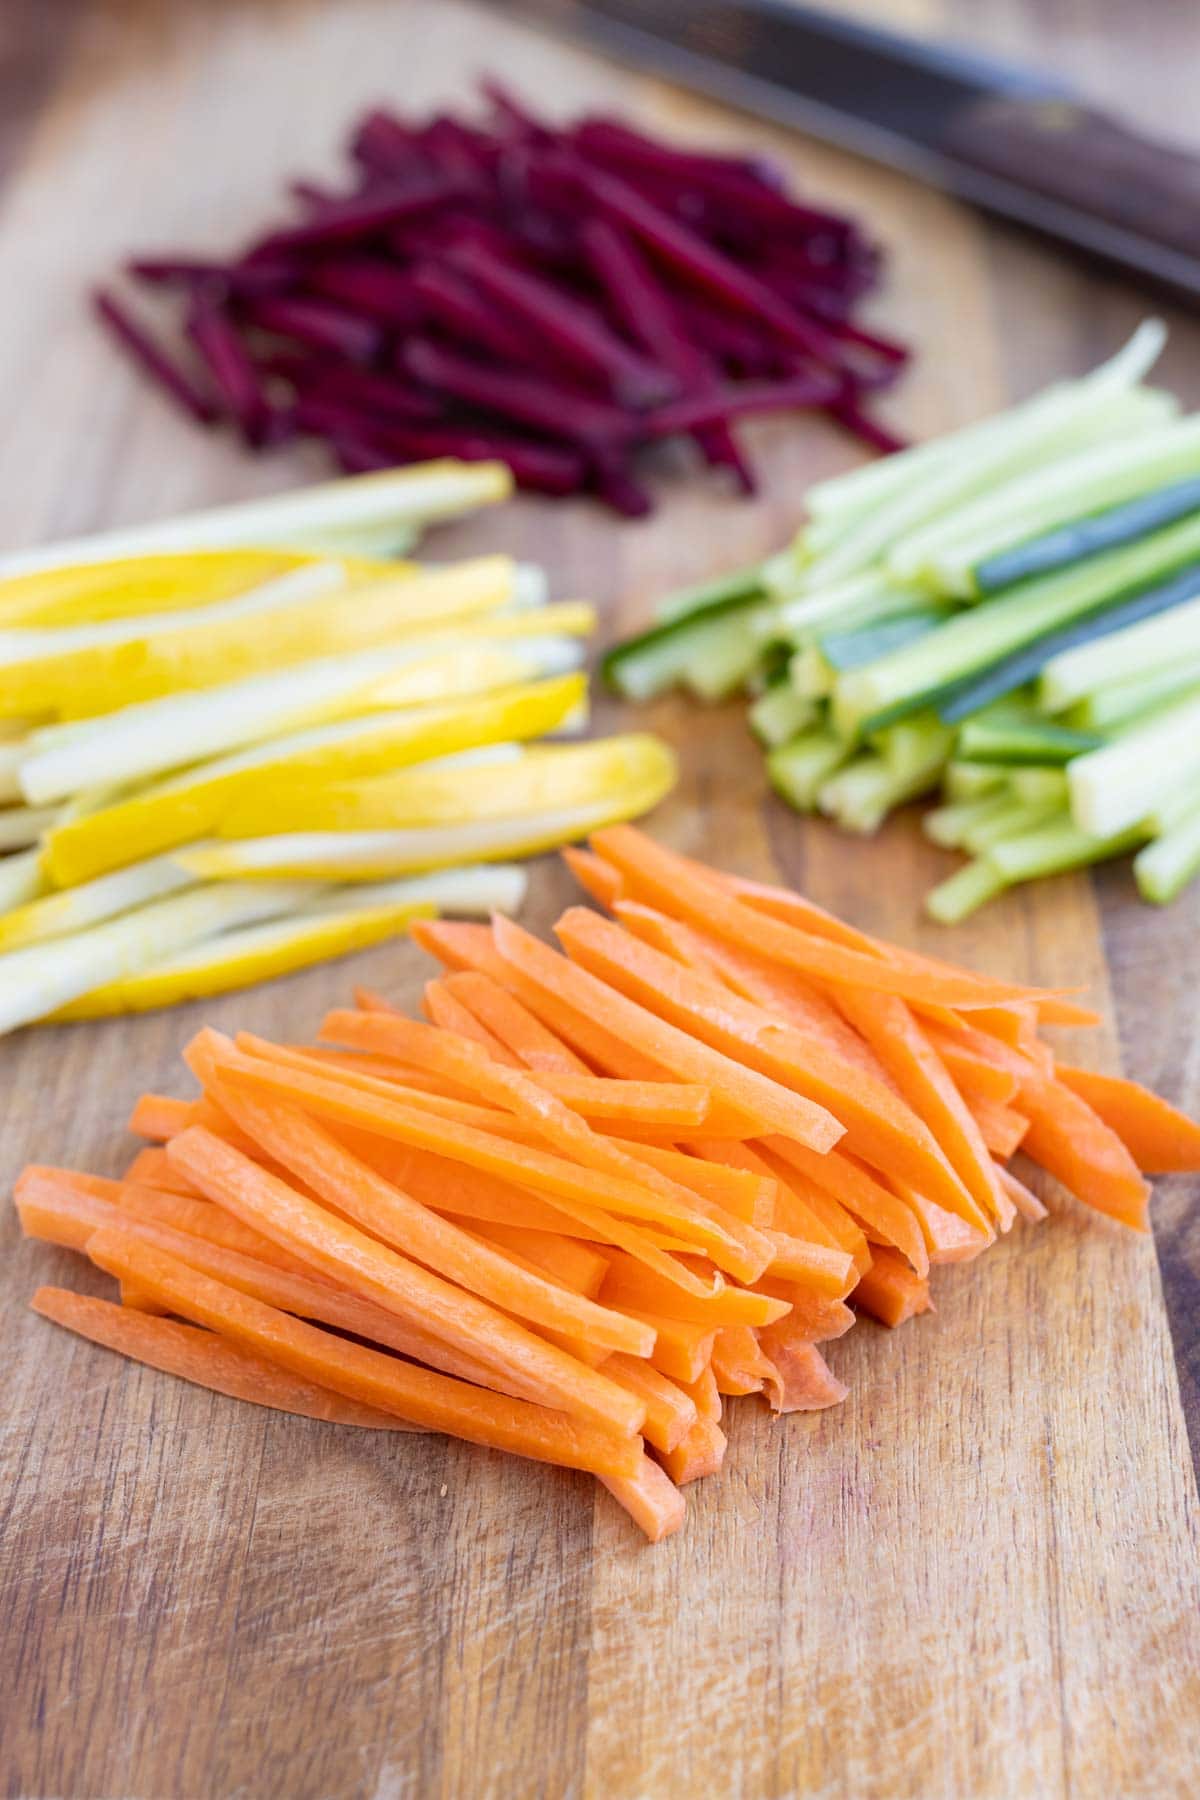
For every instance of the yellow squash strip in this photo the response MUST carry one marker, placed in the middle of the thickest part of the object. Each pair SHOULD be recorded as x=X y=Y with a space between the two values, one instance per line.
x=237 y=959
x=192 y=806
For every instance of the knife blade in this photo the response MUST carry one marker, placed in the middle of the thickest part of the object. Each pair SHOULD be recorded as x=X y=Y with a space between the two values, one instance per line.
x=1018 y=145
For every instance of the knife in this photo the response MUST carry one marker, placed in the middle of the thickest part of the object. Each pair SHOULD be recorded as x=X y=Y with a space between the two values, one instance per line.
x=1016 y=144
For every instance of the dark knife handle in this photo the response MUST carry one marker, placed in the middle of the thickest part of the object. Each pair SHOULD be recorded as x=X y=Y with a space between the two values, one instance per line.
x=1086 y=161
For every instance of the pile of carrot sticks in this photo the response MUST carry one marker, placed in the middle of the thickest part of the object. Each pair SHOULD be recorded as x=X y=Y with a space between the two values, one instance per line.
x=597 y=1191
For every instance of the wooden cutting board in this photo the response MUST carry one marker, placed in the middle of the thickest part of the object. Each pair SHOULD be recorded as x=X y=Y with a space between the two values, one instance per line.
x=976 y=1578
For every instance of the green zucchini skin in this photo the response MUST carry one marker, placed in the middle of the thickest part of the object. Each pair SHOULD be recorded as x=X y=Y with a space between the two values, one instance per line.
x=1088 y=536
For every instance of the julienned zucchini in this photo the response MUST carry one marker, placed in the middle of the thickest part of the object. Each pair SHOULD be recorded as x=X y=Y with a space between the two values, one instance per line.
x=648 y=665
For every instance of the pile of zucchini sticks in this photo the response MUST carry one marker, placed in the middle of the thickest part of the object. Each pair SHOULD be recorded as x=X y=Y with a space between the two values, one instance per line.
x=243 y=741
x=603 y=1189
x=1011 y=612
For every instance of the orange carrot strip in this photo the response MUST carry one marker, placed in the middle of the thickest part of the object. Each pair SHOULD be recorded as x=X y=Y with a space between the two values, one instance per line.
x=586 y=1194
x=681 y=1348
x=57 y=1213
x=151 y=1168
x=343 y=1181
x=878 y=1125
x=373 y=1077
x=422 y=1396
x=460 y=946
x=830 y=1272
x=765 y=1101
x=807 y=1210
x=204 y=1359
x=665 y=880
x=800 y=1379
x=595 y=876
x=700 y=1453
x=890 y=1291
x=737 y=1187
x=971 y=1073
x=531 y=1042
x=1161 y=1139
x=1053 y=1010
x=562 y=1259
x=200 y=1218
x=902 y=1045
x=733 y=1245
x=338 y=1249
x=742 y=1160
x=441 y=1007
x=949 y=1238
x=704 y=1394
x=670 y=1413
x=738 y=1365
x=159 y=1116
x=632 y=1287
x=1074 y=1145
x=1024 y=1199
x=1002 y=1128
x=982 y=1047
x=841 y=1178
x=71 y=1218
x=650 y=1498
x=1013 y=1025
x=782 y=992
x=78 y=1179
x=813 y=1319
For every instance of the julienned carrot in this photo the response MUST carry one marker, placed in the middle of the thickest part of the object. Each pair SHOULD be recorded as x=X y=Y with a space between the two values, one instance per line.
x=890 y=1291
x=629 y=1285
x=347 y=1255
x=650 y=1498
x=72 y=1218
x=878 y=1125
x=382 y=1076
x=971 y=1073
x=205 y=1359
x=681 y=1348
x=813 y=1319
x=731 y=1244
x=460 y=945
x=800 y=1379
x=201 y=1218
x=160 y=1117
x=585 y=1194
x=358 y=1194
x=1002 y=1128
x=902 y=1045
x=712 y=1168
x=1072 y=1143
x=513 y=1024
x=704 y=1394
x=58 y=1213
x=738 y=1365
x=1161 y=1139
x=443 y=1008
x=783 y=993
x=151 y=1168
x=572 y=1264
x=665 y=880
x=437 y=1402
x=670 y=1412
x=700 y=1453
x=1024 y=1200
x=574 y=989
x=825 y=1271
x=842 y=1179
x=595 y=876
x=806 y=1210
x=949 y=1238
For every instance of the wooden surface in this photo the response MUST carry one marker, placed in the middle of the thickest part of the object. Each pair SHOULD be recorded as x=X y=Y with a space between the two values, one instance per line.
x=976 y=1578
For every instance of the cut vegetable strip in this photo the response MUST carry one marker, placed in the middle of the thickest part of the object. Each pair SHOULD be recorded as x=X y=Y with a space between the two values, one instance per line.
x=877 y=1125
x=434 y=1401
x=204 y=1359
x=890 y=1291
x=1160 y=1139
x=566 y=987
x=1072 y=1143
x=650 y=1498
x=345 y=1254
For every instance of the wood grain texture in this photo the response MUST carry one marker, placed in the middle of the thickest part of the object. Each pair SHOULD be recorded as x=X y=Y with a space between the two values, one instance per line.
x=976 y=1578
